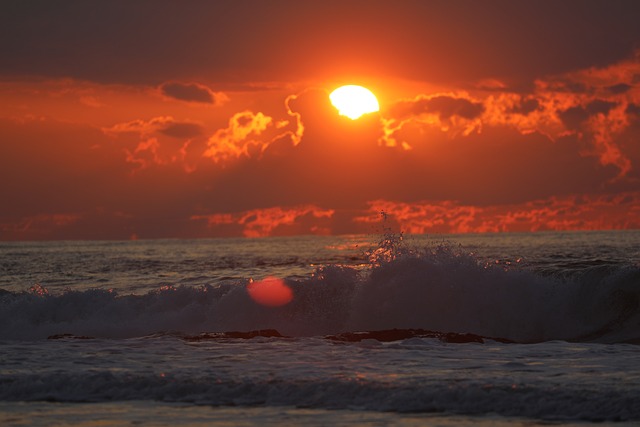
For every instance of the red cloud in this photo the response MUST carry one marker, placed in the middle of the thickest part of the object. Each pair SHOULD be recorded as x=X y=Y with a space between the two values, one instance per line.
x=144 y=147
x=444 y=106
x=271 y=221
x=598 y=122
x=240 y=138
x=597 y=105
x=595 y=212
x=511 y=161
x=456 y=113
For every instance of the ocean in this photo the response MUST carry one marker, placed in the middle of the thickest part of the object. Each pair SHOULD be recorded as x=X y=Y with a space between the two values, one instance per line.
x=510 y=329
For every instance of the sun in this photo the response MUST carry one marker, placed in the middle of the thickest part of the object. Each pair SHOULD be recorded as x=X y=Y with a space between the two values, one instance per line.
x=353 y=101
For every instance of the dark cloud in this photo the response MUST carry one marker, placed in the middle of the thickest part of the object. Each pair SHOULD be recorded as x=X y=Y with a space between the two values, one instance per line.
x=498 y=165
x=447 y=107
x=573 y=118
x=563 y=85
x=444 y=106
x=151 y=41
x=619 y=88
x=181 y=130
x=633 y=109
x=525 y=107
x=190 y=92
x=599 y=106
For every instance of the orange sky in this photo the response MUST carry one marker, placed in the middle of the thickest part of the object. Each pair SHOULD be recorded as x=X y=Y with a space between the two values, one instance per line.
x=158 y=119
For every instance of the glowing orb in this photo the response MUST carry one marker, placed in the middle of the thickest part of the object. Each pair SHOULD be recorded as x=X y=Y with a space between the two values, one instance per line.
x=353 y=101
x=270 y=292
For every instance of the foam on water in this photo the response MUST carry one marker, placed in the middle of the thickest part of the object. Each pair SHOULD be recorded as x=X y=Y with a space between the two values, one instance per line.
x=441 y=287
x=155 y=339
x=550 y=381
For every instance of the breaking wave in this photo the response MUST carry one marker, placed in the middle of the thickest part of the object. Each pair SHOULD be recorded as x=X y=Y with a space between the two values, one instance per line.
x=438 y=288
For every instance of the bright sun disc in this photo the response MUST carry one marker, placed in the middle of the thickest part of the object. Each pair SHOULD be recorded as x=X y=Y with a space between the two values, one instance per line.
x=353 y=101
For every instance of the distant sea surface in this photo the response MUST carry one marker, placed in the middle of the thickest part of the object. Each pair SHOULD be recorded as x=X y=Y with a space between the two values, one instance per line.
x=487 y=329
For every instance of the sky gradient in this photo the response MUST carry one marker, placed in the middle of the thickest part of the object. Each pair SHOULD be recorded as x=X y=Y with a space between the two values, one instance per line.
x=162 y=119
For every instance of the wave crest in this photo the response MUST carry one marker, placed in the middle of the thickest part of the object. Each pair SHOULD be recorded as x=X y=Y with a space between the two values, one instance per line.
x=441 y=288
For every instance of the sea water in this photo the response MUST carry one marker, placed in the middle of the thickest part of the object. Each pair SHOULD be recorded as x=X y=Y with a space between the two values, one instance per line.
x=488 y=329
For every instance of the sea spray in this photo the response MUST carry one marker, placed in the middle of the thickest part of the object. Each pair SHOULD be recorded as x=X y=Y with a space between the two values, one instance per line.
x=439 y=286
x=172 y=324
